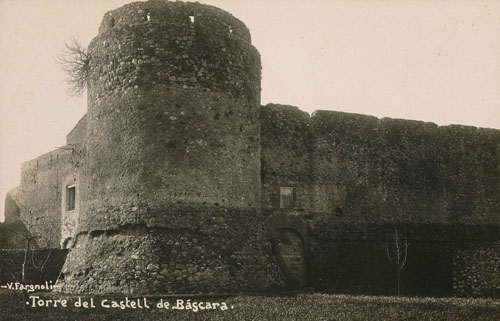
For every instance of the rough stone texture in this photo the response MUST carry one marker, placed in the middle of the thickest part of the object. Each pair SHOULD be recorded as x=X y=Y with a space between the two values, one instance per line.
x=359 y=168
x=477 y=270
x=286 y=156
x=405 y=170
x=363 y=169
x=38 y=201
x=200 y=251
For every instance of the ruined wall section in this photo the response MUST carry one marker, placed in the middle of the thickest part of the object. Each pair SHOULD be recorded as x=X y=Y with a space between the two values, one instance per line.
x=39 y=194
x=78 y=134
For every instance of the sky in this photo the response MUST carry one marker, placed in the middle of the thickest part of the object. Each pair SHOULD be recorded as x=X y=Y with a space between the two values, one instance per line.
x=415 y=59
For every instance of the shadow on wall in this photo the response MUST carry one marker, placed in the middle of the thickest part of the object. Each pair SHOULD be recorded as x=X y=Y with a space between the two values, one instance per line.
x=441 y=260
x=42 y=265
x=362 y=267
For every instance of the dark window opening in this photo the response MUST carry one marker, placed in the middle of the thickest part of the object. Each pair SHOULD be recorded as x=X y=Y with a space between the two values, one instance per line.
x=70 y=197
x=286 y=197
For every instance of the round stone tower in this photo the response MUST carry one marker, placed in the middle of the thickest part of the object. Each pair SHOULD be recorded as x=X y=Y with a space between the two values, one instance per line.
x=170 y=195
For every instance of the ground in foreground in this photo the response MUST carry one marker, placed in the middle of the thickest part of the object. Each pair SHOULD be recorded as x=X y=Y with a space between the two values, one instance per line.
x=291 y=307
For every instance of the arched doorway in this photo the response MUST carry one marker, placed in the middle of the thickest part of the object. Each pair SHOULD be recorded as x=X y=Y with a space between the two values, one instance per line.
x=290 y=250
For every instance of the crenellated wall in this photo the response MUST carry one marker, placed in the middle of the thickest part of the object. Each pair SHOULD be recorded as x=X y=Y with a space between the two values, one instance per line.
x=405 y=170
x=359 y=168
x=356 y=178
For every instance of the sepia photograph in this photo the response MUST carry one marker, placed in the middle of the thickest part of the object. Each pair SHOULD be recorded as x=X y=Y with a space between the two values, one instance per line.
x=249 y=160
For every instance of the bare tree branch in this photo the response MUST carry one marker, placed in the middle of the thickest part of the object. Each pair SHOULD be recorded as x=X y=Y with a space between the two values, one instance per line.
x=405 y=253
x=75 y=62
x=398 y=253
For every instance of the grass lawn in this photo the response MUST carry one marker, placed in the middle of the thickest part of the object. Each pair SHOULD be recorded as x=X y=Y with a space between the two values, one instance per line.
x=301 y=307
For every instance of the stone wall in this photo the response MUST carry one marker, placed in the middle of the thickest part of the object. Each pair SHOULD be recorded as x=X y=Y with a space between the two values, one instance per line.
x=405 y=170
x=355 y=177
x=196 y=250
x=286 y=156
x=38 y=197
x=477 y=269
x=366 y=169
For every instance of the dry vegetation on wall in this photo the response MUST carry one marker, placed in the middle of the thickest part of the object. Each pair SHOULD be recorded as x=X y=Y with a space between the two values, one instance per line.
x=74 y=61
x=298 y=307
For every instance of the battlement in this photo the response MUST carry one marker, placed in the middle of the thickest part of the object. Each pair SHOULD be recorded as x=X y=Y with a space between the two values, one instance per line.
x=45 y=161
x=403 y=170
x=180 y=14
x=180 y=45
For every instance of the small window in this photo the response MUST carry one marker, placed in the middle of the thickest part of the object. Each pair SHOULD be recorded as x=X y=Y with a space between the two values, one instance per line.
x=70 y=197
x=286 y=197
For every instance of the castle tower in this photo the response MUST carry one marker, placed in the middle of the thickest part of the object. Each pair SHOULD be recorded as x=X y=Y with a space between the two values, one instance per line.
x=170 y=196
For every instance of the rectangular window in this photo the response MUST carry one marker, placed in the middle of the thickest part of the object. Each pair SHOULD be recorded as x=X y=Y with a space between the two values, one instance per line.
x=286 y=197
x=70 y=197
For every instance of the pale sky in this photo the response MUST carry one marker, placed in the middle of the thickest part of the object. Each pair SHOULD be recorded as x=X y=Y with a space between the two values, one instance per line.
x=435 y=61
